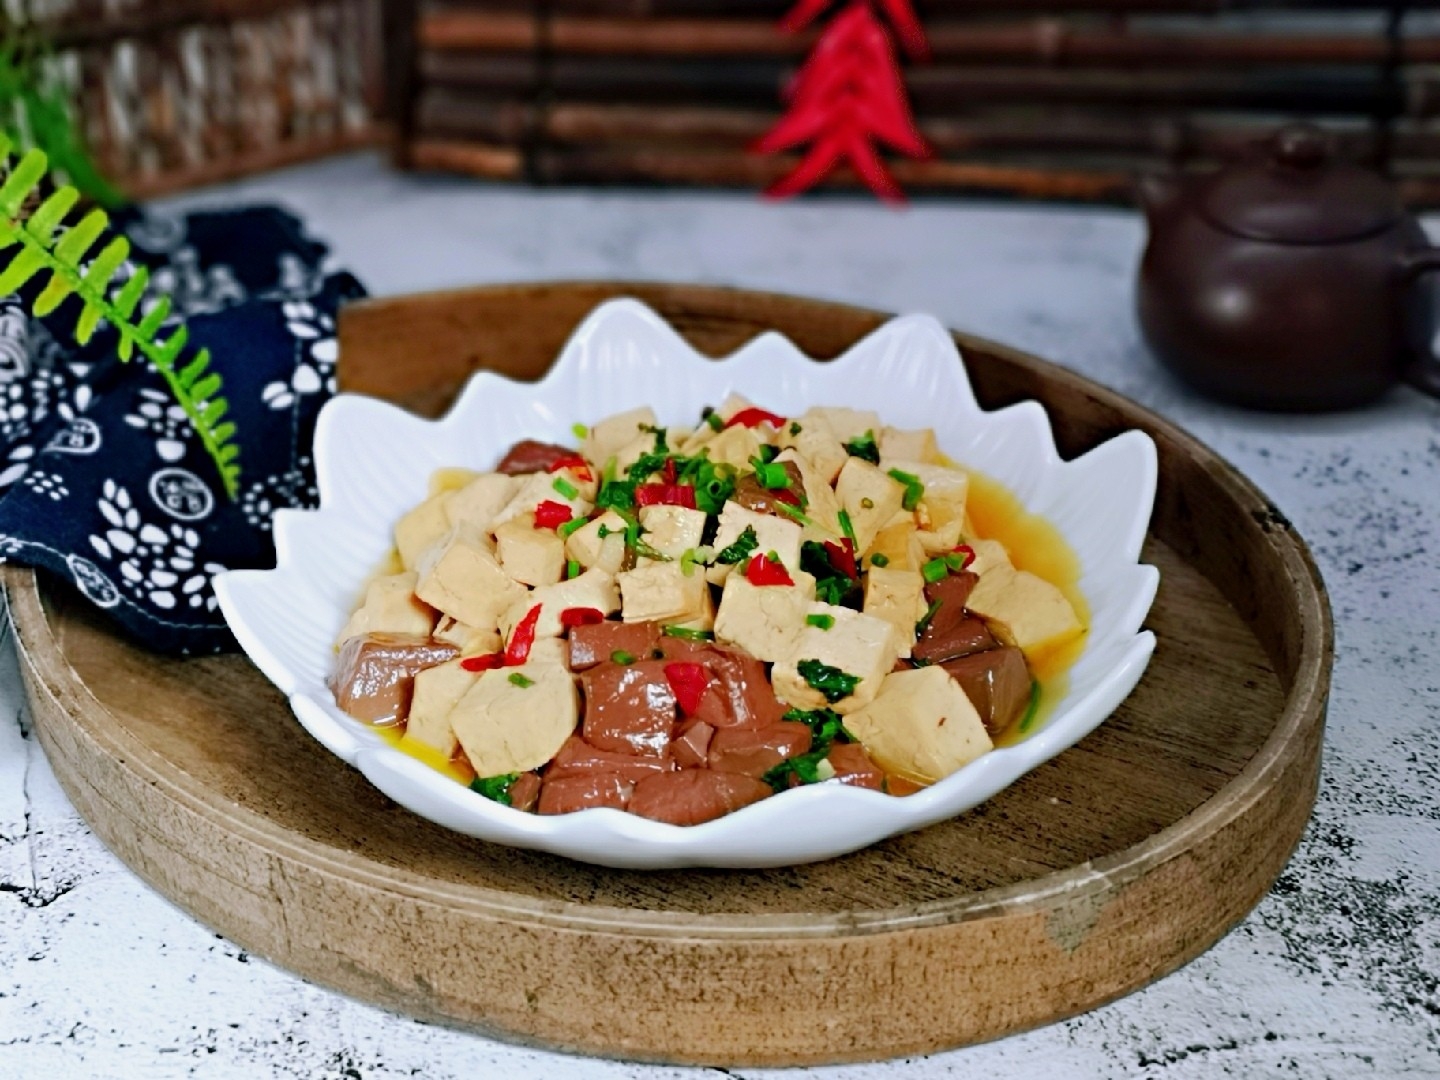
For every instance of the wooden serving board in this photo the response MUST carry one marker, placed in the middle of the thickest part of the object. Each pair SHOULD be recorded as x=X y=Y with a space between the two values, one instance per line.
x=1109 y=866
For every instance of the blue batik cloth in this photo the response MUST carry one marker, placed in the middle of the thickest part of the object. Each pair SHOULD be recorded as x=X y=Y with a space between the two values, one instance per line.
x=104 y=484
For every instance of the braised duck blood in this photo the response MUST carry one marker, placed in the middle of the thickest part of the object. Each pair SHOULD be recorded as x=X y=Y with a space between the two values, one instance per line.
x=629 y=708
x=695 y=796
x=997 y=683
x=599 y=642
x=374 y=675
x=571 y=793
x=532 y=456
x=754 y=752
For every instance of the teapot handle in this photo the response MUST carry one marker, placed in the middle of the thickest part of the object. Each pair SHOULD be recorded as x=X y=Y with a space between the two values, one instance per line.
x=1424 y=372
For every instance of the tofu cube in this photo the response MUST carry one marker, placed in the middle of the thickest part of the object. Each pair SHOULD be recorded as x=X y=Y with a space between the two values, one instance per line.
x=608 y=436
x=661 y=591
x=469 y=640
x=672 y=530
x=421 y=529
x=437 y=691
x=943 y=503
x=450 y=478
x=818 y=448
x=870 y=497
x=462 y=578
x=914 y=444
x=390 y=607
x=920 y=726
x=898 y=597
x=704 y=433
x=844 y=424
x=735 y=446
x=989 y=554
x=632 y=452
x=761 y=619
x=540 y=487
x=898 y=543
x=822 y=506
x=592 y=589
x=479 y=501
x=857 y=644
x=587 y=547
x=939 y=541
x=1024 y=610
x=529 y=555
x=773 y=533
x=505 y=728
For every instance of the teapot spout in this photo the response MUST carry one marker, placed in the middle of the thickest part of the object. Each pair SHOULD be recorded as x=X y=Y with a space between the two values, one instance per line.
x=1157 y=193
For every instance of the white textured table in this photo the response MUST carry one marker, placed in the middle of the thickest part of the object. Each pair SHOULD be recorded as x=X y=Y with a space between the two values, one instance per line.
x=1336 y=973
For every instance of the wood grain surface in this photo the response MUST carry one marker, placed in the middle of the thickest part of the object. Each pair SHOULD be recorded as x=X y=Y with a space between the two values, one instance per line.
x=1114 y=863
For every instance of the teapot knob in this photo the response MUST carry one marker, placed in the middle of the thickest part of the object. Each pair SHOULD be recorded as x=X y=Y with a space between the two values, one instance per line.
x=1301 y=146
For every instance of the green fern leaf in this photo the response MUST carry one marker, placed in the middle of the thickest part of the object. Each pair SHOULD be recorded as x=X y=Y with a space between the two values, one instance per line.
x=214 y=412
x=110 y=259
x=206 y=389
x=195 y=369
x=165 y=355
x=126 y=348
x=224 y=433
x=86 y=324
x=229 y=453
x=52 y=211
x=154 y=319
x=75 y=243
x=52 y=296
x=21 y=269
x=128 y=299
x=21 y=182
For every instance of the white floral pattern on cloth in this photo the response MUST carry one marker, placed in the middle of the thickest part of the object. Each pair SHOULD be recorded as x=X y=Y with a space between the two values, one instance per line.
x=317 y=351
x=157 y=413
x=296 y=487
x=157 y=563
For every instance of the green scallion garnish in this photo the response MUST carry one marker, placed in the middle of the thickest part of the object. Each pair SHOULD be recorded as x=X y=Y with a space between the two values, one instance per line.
x=925 y=620
x=688 y=633
x=580 y=431
x=846 y=528
x=935 y=570
x=572 y=526
x=565 y=488
x=880 y=559
x=620 y=656
x=522 y=681
x=824 y=622
x=914 y=489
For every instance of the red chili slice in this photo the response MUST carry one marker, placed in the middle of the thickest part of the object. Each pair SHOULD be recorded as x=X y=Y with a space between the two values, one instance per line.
x=668 y=474
x=967 y=551
x=575 y=463
x=752 y=416
x=551 y=514
x=762 y=571
x=581 y=616
x=521 y=638
x=483 y=663
x=842 y=557
x=665 y=495
x=689 y=682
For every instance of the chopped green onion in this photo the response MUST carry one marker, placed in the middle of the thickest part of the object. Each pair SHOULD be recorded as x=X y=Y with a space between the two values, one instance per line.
x=924 y=623
x=768 y=452
x=1032 y=708
x=793 y=512
x=830 y=681
x=743 y=547
x=572 y=569
x=716 y=424
x=603 y=531
x=564 y=487
x=879 y=559
x=688 y=633
x=846 y=528
x=914 y=489
x=867 y=503
x=795 y=428
x=495 y=788
x=771 y=476
x=935 y=570
x=824 y=622
x=620 y=656
x=580 y=431
x=864 y=447
x=574 y=525
x=522 y=681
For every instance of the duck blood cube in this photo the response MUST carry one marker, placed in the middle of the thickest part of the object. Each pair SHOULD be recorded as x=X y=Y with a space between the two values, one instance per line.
x=571 y=793
x=532 y=456
x=629 y=708
x=853 y=766
x=578 y=758
x=756 y=752
x=598 y=643
x=694 y=796
x=997 y=683
x=375 y=674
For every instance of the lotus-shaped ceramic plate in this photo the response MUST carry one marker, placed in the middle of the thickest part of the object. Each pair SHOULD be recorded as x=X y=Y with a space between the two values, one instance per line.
x=374 y=461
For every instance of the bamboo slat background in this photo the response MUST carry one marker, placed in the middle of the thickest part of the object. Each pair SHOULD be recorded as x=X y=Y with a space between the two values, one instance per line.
x=175 y=93
x=1030 y=97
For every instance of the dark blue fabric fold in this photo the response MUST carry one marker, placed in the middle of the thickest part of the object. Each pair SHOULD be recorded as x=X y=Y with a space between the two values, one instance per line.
x=102 y=480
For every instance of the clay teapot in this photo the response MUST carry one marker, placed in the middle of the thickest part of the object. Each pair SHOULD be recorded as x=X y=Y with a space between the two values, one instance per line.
x=1288 y=282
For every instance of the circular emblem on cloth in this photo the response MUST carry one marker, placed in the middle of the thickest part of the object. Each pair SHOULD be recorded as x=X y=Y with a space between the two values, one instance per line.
x=79 y=436
x=96 y=587
x=182 y=494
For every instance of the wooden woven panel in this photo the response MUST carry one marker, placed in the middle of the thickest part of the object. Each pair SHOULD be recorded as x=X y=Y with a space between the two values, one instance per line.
x=1031 y=97
x=176 y=93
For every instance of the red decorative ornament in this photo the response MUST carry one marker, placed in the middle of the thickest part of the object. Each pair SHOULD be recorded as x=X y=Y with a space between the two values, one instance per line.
x=848 y=96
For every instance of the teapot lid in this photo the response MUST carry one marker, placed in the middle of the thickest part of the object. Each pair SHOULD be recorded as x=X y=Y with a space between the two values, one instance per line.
x=1299 y=194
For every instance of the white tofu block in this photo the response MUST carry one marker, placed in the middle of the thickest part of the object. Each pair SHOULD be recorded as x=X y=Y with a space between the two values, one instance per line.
x=909 y=444
x=390 y=607
x=761 y=619
x=587 y=547
x=898 y=597
x=939 y=541
x=609 y=435
x=822 y=505
x=690 y=444
x=632 y=452
x=450 y=478
x=592 y=589
x=504 y=728
x=857 y=644
x=540 y=487
x=920 y=726
x=870 y=497
x=844 y=424
x=672 y=530
x=776 y=534
x=735 y=446
x=898 y=543
x=437 y=691
x=819 y=448
x=479 y=501
x=945 y=492
x=469 y=640
x=529 y=555
x=663 y=592
x=1024 y=610
x=463 y=579
x=989 y=554
x=420 y=529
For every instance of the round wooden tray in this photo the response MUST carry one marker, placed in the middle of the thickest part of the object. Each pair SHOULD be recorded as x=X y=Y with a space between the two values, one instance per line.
x=1109 y=866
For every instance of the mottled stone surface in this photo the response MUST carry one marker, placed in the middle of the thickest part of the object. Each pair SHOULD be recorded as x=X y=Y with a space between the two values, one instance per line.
x=1336 y=973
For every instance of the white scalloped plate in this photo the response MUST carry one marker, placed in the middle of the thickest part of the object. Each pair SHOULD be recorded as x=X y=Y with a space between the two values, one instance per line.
x=374 y=461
